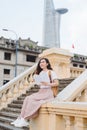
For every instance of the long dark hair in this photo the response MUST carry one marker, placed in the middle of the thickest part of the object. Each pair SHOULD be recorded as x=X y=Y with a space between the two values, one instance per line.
x=38 y=69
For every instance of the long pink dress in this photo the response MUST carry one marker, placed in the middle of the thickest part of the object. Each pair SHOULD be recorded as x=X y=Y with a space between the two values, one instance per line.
x=33 y=102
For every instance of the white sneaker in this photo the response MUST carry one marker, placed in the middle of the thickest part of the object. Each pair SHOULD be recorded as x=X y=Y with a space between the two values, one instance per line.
x=21 y=123
x=16 y=121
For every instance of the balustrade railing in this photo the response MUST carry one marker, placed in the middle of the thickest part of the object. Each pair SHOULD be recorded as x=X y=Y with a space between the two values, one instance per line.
x=61 y=116
x=76 y=90
x=16 y=87
x=75 y=71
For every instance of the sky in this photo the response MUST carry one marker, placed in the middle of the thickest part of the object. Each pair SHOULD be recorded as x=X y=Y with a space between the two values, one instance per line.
x=25 y=17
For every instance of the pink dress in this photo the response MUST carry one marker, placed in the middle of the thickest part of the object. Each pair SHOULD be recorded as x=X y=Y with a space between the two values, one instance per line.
x=33 y=102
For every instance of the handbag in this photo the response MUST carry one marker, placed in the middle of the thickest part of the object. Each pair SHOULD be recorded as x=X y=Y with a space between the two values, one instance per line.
x=54 y=88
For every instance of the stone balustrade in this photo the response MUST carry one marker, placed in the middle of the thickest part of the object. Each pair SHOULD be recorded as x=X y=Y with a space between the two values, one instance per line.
x=76 y=90
x=16 y=87
x=61 y=116
x=75 y=71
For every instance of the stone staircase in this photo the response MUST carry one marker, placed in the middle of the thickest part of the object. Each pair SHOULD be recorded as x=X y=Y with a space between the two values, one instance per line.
x=10 y=113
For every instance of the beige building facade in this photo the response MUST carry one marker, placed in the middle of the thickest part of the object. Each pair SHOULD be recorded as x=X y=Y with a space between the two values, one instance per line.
x=27 y=53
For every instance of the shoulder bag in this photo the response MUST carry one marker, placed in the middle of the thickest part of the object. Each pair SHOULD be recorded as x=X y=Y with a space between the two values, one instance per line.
x=54 y=88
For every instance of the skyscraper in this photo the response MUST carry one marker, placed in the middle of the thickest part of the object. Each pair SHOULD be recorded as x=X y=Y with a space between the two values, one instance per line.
x=51 y=28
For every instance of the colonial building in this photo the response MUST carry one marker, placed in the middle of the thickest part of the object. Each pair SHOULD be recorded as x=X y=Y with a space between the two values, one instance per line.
x=79 y=61
x=19 y=57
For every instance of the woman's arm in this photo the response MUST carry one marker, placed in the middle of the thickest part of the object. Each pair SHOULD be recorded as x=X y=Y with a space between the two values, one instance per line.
x=54 y=83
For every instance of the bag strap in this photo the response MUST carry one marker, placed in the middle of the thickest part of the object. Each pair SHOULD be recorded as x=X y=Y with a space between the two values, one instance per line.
x=49 y=74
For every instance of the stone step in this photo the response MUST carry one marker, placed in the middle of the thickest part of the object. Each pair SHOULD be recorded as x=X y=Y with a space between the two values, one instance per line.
x=65 y=81
x=62 y=87
x=6 y=119
x=12 y=105
x=29 y=92
x=21 y=98
x=14 y=110
x=5 y=126
x=9 y=114
x=24 y=95
x=18 y=101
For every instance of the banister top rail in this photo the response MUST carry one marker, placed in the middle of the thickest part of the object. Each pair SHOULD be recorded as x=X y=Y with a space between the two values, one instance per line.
x=16 y=79
x=67 y=108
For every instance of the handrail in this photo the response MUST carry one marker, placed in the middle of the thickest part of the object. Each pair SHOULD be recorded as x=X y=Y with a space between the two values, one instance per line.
x=13 y=81
x=74 y=88
x=15 y=87
x=61 y=115
x=76 y=71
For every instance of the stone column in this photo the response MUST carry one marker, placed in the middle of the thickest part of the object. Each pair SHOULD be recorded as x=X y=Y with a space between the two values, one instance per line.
x=41 y=121
x=52 y=121
x=79 y=124
x=60 y=61
x=69 y=121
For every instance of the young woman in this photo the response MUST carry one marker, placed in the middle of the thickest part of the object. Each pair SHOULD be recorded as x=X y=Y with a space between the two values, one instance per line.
x=33 y=102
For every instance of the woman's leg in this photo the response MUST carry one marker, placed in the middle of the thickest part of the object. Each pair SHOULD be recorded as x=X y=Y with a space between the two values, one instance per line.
x=24 y=106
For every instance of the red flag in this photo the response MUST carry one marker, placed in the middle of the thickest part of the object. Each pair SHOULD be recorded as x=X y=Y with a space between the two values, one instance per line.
x=73 y=46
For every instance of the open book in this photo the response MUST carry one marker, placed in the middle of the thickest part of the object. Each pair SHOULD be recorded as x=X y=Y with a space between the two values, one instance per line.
x=41 y=78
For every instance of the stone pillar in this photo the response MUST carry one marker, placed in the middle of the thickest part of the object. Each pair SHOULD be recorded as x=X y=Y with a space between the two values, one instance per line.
x=52 y=121
x=60 y=61
x=69 y=121
x=41 y=121
x=79 y=124
x=55 y=122
x=85 y=95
